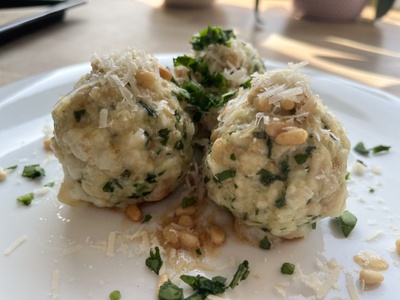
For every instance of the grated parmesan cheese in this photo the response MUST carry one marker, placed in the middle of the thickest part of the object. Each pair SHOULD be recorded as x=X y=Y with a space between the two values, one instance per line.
x=55 y=284
x=14 y=245
x=351 y=288
x=103 y=117
x=111 y=244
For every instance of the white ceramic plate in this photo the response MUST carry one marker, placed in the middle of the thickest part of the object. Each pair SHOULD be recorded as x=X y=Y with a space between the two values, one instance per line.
x=61 y=255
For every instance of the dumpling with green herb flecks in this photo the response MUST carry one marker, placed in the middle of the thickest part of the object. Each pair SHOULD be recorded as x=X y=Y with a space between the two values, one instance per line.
x=121 y=135
x=277 y=159
x=219 y=66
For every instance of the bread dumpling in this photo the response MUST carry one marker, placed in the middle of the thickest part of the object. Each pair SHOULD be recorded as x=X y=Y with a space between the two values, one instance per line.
x=277 y=159
x=121 y=135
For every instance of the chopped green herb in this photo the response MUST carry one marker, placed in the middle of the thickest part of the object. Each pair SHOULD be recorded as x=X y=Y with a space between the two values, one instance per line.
x=179 y=145
x=33 y=171
x=285 y=169
x=266 y=177
x=241 y=274
x=287 y=268
x=188 y=201
x=164 y=135
x=302 y=157
x=26 y=199
x=169 y=291
x=347 y=222
x=211 y=36
x=147 y=218
x=229 y=95
x=198 y=251
x=224 y=175
x=371 y=190
x=108 y=187
x=154 y=262
x=115 y=295
x=246 y=84
x=206 y=179
x=361 y=149
x=259 y=134
x=126 y=174
x=233 y=157
x=78 y=114
x=150 y=111
x=50 y=184
x=205 y=286
x=151 y=178
x=281 y=201
x=12 y=167
x=308 y=201
x=347 y=177
x=265 y=243
x=314 y=225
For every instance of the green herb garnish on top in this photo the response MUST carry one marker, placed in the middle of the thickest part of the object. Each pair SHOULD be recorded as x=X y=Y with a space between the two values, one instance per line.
x=347 y=222
x=212 y=36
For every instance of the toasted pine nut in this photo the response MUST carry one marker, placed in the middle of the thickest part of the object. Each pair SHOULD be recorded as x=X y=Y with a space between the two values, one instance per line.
x=371 y=277
x=189 y=241
x=293 y=137
x=398 y=246
x=370 y=260
x=218 y=149
x=186 y=221
x=165 y=73
x=217 y=235
x=171 y=236
x=134 y=213
x=146 y=79
x=190 y=210
x=47 y=144
x=261 y=105
x=163 y=279
x=214 y=135
x=273 y=128
x=287 y=104
x=3 y=174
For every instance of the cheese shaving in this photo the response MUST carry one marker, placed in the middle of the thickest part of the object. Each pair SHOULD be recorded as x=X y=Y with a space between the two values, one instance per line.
x=14 y=245
x=111 y=244
x=351 y=288
x=55 y=284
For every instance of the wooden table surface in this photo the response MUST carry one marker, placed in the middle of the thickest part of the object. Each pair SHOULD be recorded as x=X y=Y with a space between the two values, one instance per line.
x=364 y=51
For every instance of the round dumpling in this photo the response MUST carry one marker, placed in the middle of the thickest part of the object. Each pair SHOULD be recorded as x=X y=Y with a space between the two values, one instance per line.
x=121 y=135
x=278 y=158
x=219 y=65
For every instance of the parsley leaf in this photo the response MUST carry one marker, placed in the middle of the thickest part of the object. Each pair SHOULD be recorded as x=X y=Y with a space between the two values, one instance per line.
x=361 y=149
x=26 y=199
x=265 y=243
x=266 y=177
x=188 y=202
x=301 y=158
x=147 y=218
x=287 y=268
x=115 y=295
x=211 y=36
x=224 y=175
x=33 y=171
x=241 y=274
x=169 y=291
x=347 y=222
x=154 y=262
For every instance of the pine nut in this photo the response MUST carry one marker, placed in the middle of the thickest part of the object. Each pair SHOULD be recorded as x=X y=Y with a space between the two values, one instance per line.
x=134 y=213
x=262 y=104
x=190 y=210
x=47 y=144
x=273 y=128
x=370 y=260
x=287 y=104
x=398 y=246
x=165 y=73
x=3 y=174
x=186 y=221
x=371 y=277
x=146 y=79
x=293 y=137
x=189 y=241
x=251 y=95
x=217 y=235
x=171 y=236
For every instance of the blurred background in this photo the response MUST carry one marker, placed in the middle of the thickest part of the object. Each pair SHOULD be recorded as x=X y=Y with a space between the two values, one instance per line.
x=359 y=47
